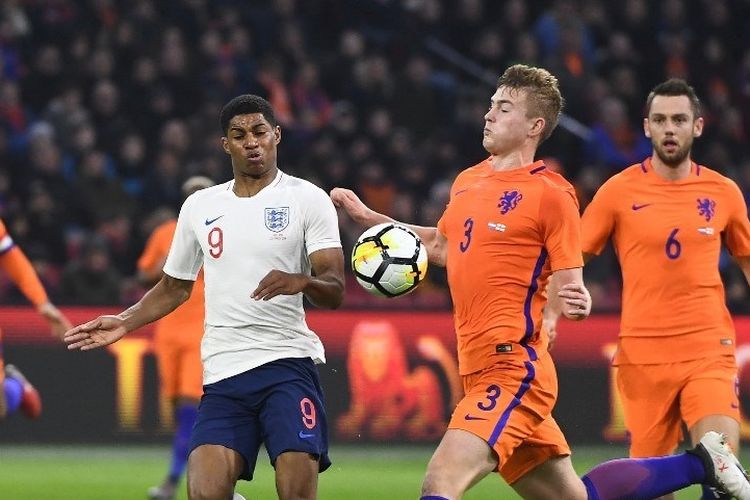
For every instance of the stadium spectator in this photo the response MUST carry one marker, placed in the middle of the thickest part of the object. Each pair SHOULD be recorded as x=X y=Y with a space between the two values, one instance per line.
x=71 y=66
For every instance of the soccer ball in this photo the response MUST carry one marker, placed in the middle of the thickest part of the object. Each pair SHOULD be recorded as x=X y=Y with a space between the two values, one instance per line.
x=389 y=260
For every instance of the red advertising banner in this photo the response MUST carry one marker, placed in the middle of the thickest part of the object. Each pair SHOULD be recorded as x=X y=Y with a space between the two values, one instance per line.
x=389 y=375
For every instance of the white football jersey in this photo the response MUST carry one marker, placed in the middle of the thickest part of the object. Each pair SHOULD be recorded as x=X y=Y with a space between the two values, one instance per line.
x=238 y=241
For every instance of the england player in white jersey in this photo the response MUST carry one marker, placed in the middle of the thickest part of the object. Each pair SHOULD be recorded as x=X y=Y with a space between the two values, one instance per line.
x=264 y=239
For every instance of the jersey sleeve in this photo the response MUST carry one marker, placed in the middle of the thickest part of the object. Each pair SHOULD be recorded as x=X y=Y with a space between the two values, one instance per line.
x=185 y=256
x=598 y=220
x=157 y=247
x=321 y=222
x=561 y=228
x=737 y=231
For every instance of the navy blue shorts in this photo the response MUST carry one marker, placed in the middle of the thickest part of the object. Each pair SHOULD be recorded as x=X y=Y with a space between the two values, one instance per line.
x=279 y=404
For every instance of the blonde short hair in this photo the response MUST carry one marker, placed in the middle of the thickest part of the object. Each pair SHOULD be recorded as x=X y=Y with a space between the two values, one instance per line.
x=542 y=93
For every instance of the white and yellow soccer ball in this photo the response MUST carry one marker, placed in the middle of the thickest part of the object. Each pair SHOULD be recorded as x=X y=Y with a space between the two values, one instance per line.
x=389 y=260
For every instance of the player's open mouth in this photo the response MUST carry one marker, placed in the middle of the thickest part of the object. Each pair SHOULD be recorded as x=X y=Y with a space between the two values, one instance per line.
x=670 y=144
x=254 y=157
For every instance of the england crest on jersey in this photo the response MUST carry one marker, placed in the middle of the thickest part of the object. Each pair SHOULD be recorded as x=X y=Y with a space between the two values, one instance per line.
x=277 y=219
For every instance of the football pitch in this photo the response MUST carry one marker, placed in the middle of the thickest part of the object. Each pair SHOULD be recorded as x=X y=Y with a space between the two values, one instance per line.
x=65 y=472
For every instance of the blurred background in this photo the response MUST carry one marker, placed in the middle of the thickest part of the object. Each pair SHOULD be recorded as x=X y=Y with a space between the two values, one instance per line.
x=107 y=106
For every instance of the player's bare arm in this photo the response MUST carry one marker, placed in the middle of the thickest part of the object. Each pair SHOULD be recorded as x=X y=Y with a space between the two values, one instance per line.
x=433 y=240
x=58 y=323
x=552 y=310
x=325 y=288
x=744 y=263
x=162 y=299
x=567 y=295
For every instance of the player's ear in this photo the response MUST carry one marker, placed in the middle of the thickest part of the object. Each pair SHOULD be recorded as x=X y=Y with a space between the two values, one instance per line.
x=646 y=129
x=537 y=127
x=277 y=133
x=225 y=145
x=698 y=127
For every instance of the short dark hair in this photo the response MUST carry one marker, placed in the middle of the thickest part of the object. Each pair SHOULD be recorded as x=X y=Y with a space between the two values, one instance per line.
x=243 y=105
x=675 y=87
x=542 y=93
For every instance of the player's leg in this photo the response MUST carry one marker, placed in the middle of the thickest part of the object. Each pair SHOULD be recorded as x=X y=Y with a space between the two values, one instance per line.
x=650 y=399
x=460 y=461
x=297 y=475
x=502 y=407
x=20 y=394
x=181 y=378
x=632 y=478
x=213 y=471
x=226 y=437
x=709 y=401
x=295 y=426
x=3 y=397
x=711 y=462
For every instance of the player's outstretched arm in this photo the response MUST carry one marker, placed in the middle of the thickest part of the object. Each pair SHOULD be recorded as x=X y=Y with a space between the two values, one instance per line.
x=20 y=270
x=58 y=323
x=162 y=299
x=433 y=240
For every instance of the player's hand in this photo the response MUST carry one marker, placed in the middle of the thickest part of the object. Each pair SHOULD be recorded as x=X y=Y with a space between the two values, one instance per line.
x=350 y=202
x=576 y=301
x=58 y=323
x=280 y=283
x=99 y=332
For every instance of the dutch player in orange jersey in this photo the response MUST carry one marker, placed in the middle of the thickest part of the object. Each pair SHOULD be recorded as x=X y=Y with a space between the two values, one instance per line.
x=667 y=217
x=177 y=343
x=16 y=392
x=512 y=226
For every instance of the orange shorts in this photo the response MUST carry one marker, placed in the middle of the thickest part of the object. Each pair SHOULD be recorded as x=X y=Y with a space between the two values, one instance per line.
x=180 y=368
x=657 y=399
x=509 y=405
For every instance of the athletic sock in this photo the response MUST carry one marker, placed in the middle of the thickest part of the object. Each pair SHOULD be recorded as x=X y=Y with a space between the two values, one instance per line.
x=643 y=477
x=185 y=417
x=13 y=394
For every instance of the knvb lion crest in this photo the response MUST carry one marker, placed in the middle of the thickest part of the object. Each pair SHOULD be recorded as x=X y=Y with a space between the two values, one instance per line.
x=509 y=200
x=277 y=219
x=706 y=208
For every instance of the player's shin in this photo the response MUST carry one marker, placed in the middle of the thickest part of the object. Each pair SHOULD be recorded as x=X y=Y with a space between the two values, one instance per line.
x=644 y=477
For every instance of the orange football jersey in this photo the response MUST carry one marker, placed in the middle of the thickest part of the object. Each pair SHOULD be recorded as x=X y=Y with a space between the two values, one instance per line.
x=188 y=319
x=506 y=231
x=667 y=236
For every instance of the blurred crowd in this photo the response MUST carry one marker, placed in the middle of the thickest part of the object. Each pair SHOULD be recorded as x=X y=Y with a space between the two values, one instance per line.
x=107 y=106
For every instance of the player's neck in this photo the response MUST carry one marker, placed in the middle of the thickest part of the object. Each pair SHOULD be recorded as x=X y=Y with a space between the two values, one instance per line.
x=512 y=160
x=671 y=173
x=246 y=186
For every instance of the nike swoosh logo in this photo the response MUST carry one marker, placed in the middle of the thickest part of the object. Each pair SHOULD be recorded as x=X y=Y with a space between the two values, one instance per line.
x=638 y=207
x=471 y=417
x=459 y=192
x=305 y=435
x=211 y=221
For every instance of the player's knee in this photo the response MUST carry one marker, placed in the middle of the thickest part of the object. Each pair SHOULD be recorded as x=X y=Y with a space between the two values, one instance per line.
x=203 y=488
x=435 y=484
